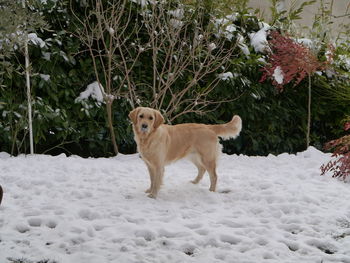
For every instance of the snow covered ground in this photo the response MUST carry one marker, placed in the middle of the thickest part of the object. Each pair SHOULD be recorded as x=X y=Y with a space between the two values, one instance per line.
x=267 y=209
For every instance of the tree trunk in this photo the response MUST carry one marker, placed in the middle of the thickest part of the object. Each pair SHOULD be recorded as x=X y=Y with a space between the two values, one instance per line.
x=308 y=115
x=110 y=124
x=31 y=144
x=26 y=56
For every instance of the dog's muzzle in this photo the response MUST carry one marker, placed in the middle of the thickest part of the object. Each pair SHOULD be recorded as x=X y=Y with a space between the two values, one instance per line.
x=144 y=127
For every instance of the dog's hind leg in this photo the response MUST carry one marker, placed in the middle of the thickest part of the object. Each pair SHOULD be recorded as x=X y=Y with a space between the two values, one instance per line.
x=195 y=159
x=209 y=163
x=201 y=171
x=211 y=168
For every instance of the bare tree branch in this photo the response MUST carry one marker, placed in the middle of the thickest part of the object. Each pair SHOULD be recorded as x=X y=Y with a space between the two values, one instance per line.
x=183 y=46
x=106 y=31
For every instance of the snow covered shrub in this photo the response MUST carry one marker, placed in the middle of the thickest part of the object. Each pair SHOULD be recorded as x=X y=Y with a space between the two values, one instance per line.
x=340 y=165
x=269 y=120
x=63 y=69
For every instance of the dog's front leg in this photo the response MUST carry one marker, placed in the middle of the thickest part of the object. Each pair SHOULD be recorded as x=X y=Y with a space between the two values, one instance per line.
x=151 y=176
x=156 y=175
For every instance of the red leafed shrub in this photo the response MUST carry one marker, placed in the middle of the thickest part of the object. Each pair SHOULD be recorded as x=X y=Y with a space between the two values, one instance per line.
x=340 y=166
x=295 y=61
x=291 y=61
x=347 y=126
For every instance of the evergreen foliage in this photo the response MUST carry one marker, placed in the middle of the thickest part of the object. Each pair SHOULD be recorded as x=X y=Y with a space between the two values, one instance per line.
x=62 y=68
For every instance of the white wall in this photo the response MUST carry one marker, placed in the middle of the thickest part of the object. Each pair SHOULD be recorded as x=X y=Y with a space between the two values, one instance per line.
x=340 y=7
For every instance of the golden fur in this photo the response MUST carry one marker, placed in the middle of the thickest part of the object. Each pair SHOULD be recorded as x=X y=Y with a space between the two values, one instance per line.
x=160 y=144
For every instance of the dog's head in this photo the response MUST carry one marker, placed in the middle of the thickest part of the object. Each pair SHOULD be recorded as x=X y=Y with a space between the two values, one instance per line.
x=145 y=120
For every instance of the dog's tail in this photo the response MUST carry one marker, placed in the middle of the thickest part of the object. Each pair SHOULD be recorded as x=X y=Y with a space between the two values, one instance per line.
x=228 y=130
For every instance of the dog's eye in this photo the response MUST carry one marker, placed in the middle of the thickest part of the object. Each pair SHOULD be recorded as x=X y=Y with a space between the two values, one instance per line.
x=141 y=116
x=151 y=118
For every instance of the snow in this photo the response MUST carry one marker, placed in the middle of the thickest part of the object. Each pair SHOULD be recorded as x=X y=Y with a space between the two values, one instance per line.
x=264 y=25
x=233 y=17
x=176 y=23
x=64 y=55
x=143 y=3
x=259 y=40
x=267 y=209
x=231 y=28
x=111 y=30
x=19 y=35
x=329 y=73
x=46 y=56
x=33 y=38
x=211 y=47
x=177 y=13
x=262 y=60
x=225 y=27
x=278 y=75
x=305 y=41
x=345 y=60
x=226 y=76
x=94 y=91
x=242 y=45
x=45 y=77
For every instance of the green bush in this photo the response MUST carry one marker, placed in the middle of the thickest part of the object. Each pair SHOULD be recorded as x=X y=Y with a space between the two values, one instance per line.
x=272 y=122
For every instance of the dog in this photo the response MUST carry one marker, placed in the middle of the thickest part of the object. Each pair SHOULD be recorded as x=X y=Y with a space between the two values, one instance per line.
x=160 y=144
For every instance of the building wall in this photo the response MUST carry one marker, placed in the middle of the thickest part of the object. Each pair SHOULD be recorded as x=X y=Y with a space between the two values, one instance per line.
x=340 y=8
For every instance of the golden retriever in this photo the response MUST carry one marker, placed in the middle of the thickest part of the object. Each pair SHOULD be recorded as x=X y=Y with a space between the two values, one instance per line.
x=160 y=144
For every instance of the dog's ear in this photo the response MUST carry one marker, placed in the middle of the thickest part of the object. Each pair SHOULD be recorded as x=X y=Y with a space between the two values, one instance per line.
x=158 y=119
x=133 y=115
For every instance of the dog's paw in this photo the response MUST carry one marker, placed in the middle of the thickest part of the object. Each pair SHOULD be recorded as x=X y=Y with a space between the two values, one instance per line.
x=152 y=196
x=148 y=190
x=194 y=182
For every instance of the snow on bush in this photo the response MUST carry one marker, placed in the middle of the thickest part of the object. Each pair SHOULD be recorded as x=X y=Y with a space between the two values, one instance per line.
x=177 y=13
x=225 y=26
x=33 y=38
x=45 y=77
x=93 y=90
x=259 y=39
x=226 y=76
x=305 y=41
x=242 y=45
x=345 y=60
x=278 y=75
